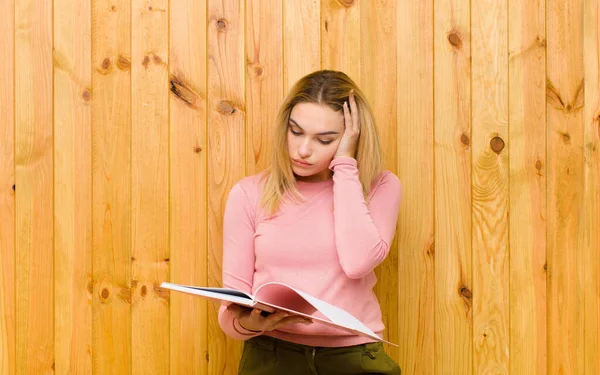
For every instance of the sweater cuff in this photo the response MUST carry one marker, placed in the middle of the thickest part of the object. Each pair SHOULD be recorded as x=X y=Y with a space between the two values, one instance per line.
x=344 y=160
x=243 y=331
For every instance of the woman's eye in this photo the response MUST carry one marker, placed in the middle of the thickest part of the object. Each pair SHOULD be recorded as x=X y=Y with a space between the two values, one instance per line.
x=325 y=142
x=294 y=132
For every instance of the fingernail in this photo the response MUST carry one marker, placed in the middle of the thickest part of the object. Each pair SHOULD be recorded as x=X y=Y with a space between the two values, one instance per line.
x=351 y=91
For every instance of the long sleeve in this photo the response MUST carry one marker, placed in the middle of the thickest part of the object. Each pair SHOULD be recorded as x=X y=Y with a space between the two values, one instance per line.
x=238 y=256
x=363 y=233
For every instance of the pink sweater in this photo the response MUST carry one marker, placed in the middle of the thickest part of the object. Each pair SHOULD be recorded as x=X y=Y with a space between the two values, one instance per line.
x=328 y=247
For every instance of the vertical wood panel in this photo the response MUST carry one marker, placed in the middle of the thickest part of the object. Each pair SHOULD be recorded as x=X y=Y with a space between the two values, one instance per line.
x=564 y=100
x=264 y=89
x=413 y=275
x=301 y=40
x=379 y=64
x=7 y=193
x=226 y=153
x=149 y=186
x=453 y=140
x=527 y=139
x=588 y=235
x=34 y=190
x=340 y=37
x=111 y=187
x=490 y=187
x=187 y=190
x=72 y=187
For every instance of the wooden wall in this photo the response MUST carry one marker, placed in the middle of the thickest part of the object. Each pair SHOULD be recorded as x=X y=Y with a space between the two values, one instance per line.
x=124 y=123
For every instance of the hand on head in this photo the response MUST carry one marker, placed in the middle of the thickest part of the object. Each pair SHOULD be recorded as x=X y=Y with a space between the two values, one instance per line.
x=349 y=142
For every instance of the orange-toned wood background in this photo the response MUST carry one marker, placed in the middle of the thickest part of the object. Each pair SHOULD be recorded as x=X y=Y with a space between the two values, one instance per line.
x=124 y=123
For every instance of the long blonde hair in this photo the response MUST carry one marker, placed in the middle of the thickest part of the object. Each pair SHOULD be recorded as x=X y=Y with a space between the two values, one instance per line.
x=329 y=88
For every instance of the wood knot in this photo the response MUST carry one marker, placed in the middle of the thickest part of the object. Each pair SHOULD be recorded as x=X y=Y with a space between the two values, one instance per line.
x=104 y=294
x=431 y=250
x=144 y=290
x=90 y=287
x=497 y=144
x=258 y=71
x=183 y=91
x=538 y=165
x=123 y=63
x=197 y=150
x=566 y=138
x=146 y=61
x=546 y=266
x=455 y=40
x=221 y=25
x=465 y=140
x=466 y=292
x=113 y=8
x=226 y=108
x=347 y=3
x=86 y=95
x=105 y=63
x=157 y=60
x=14 y=187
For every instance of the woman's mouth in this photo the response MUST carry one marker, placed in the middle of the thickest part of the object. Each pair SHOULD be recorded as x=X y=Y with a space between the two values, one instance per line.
x=301 y=163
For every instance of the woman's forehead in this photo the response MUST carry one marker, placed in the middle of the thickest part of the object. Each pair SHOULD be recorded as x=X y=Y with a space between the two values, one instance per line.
x=316 y=118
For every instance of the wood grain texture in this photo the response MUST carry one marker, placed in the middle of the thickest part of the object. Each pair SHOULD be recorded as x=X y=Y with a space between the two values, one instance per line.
x=340 y=37
x=188 y=221
x=565 y=186
x=453 y=147
x=72 y=187
x=149 y=186
x=111 y=187
x=264 y=88
x=379 y=64
x=412 y=292
x=34 y=183
x=588 y=235
x=226 y=153
x=527 y=139
x=490 y=187
x=7 y=192
x=301 y=40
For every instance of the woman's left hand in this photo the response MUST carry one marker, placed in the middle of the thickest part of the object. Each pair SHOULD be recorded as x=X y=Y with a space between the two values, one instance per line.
x=349 y=142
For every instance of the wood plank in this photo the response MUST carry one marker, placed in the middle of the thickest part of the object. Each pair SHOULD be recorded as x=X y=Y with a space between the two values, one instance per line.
x=264 y=88
x=34 y=191
x=188 y=185
x=527 y=139
x=301 y=40
x=111 y=184
x=340 y=37
x=490 y=187
x=588 y=236
x=226 y=153
x=565 y=182
x=72 y=187
x=453 y=152
x=7 y=193
x=150 y=186
x=378 y=20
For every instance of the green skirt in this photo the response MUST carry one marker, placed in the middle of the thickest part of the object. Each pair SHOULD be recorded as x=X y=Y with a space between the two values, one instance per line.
x=265 y=355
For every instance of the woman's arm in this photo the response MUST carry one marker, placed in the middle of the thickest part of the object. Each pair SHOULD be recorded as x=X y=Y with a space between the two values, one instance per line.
x=363 y=233
x=238 y=257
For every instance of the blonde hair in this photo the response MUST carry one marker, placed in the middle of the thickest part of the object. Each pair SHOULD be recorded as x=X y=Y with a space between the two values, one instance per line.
x=329 y=88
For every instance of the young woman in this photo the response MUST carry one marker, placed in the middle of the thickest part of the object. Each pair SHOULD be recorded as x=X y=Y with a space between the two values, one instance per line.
x=320 y=219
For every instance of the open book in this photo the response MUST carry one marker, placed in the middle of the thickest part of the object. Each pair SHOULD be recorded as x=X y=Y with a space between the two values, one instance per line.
x=278 y=296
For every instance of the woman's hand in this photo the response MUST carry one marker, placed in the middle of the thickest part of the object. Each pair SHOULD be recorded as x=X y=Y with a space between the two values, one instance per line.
x=349 y=142
x=252 y=320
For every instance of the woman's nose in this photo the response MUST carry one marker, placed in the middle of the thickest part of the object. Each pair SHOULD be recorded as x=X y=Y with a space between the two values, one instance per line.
x=304 y=151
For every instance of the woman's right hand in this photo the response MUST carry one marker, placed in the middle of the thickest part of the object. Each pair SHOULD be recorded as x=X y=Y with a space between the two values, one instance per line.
x=252 y=320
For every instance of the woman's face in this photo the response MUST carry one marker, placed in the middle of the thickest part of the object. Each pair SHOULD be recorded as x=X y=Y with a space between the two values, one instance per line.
x=314 y=134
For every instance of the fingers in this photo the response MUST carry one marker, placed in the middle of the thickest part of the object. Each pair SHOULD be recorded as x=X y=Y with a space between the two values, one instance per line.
x=347 y=117
x=354 y=112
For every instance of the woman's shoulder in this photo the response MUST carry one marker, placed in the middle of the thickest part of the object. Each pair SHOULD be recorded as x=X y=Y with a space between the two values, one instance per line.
x=253 y=186
x=388 y=181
